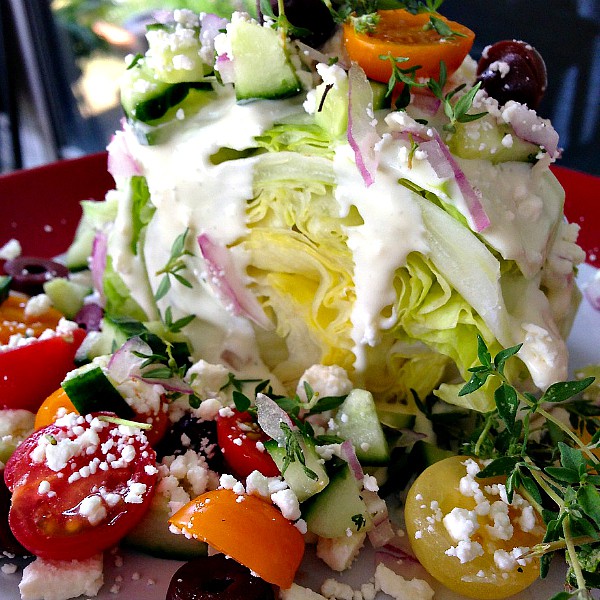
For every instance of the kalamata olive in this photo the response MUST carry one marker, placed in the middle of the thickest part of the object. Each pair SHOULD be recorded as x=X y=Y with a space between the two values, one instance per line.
x=513 y=70
x=217 y=578
x=8 y=543
x=311 y=15
x=29 y=273
x=89 y=317
x=192 y=433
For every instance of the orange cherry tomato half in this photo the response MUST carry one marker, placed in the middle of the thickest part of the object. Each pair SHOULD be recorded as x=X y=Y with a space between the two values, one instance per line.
x=48 y=412
x=402 y=34
x=13 y=319
x=248 y=529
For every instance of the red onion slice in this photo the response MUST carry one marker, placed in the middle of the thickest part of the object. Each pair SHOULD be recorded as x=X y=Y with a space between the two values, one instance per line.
x=120 y=160
x=270 y=417
x=173 y=384
x=475 y=211
x=529 y=127
x=211 y=27
x=225 y=66
x=348 y=453
x=362 y=134
x=98 y=263
x=224 y=280
x=124 y=364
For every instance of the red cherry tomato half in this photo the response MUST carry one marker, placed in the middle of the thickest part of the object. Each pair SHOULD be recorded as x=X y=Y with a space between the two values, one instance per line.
x=78 y=486
x=30 y=373
x=238 y=435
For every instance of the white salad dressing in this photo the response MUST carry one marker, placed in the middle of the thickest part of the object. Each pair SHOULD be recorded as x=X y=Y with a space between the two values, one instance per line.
x=392 y=228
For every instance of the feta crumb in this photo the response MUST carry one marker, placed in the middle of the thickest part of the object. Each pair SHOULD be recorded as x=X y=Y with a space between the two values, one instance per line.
x=60 y=580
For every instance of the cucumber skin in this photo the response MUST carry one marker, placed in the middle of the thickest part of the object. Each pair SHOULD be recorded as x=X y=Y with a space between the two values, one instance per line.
x=152 y=536
x=329 y=513
x=261 y=64
x=362 y=426
x=297 y=480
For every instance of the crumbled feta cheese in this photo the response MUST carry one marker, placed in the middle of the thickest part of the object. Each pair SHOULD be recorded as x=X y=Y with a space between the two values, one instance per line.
x=37 y=305
x=60 y=580
x=12 y=249
x=399 y=588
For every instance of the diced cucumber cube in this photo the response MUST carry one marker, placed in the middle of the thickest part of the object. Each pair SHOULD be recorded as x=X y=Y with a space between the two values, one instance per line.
x=301 y=483
x=262 y=68
x=67 y=296
x=339 y=508
x=357 y=420
x=485 y=139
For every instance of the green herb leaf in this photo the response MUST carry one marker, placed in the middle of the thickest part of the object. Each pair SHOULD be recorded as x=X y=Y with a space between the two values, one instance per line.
x=563 y=390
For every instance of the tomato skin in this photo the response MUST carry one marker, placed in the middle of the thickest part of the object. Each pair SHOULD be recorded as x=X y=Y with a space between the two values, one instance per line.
x=248 y=529
x=33 y=371
x=478 y=577
x=402 y=34
x=238 y=445
x=48 y=522
x=48 y=412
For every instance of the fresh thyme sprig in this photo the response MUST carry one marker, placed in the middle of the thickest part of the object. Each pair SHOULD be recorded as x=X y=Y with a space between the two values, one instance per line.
x=175 y=264
x=570 y=481
x=401 y=76
x=280 y=21
x=442 y=28
x=457 y=111
x=294 y=451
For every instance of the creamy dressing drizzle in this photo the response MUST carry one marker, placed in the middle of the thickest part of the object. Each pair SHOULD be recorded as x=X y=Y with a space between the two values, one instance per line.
x=392 y=228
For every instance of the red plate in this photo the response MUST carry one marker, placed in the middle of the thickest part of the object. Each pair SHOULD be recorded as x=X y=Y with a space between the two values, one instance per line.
x=40 y=207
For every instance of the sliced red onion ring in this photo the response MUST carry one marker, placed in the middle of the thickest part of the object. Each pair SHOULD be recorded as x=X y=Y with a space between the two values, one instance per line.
x=226 y=283
x=211 y=26
x=173 y=384
x=270 y=417
x=98 y=262
x=426 y=103
x=362 y=134
x=476 y=213
x=348 y=453
x=224 y=65
x=120 y=160
x=529 y=127
x=124 y=364
x=397 y=553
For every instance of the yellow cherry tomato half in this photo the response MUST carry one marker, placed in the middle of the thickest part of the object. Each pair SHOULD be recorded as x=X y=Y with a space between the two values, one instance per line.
x=441 y=509
x=248 y=529
x=13 y=318
x=48 y=412
x=402 y=34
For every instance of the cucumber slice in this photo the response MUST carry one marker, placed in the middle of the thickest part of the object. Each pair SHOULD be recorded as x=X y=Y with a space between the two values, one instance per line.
x=146 y=98
x=261 y=65
x=171 y=44
x=67 y=296
x=80 y=249
x=90 y=390
x=152 y=536
x=484 y=139
x=357 y=420
x=332 y=108
x=339 y=508
x=295 y=475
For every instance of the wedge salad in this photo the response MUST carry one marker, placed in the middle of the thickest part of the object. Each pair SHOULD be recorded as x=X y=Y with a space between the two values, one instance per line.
x=326 y=304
